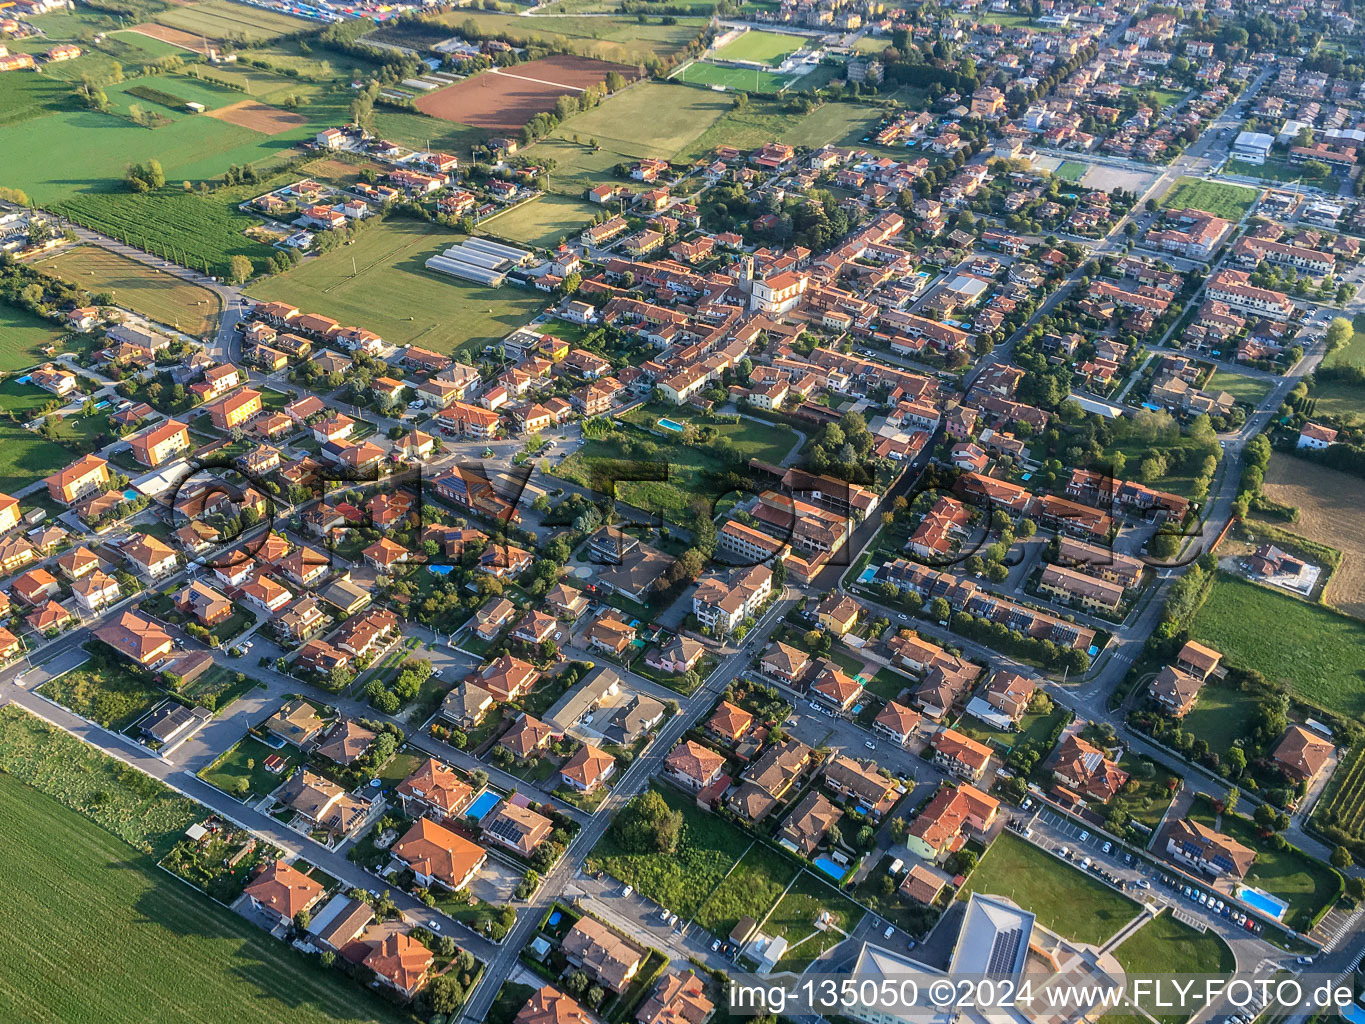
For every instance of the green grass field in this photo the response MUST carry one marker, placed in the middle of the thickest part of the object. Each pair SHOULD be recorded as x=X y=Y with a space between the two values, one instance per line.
x=1353 y=352
x=104 y=692
x=763 y=47
x=794 y=919
x=1221 y=715
x=23 y=337
x=763 y=121
x=147 y=290
x=736 y=79
x=183 y=87
x=755 y=884
x=25 y=457
x=246 y=760
x=1312 y=649
x=1071 y=170
x=219 y=19
x=542 y=222
x=1250 y=390
x=153 y=47
x=419 y=306
x=98 y=934
x=1163 y=941
x=683 y=882
x=1222 y=200
x=1065 y=900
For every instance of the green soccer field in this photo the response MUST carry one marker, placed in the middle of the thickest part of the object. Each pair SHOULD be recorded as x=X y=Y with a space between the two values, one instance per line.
x=738 y=79
x=764 y=47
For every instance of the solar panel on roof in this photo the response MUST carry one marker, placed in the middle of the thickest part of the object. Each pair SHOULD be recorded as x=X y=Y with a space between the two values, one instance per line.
x=1003 y=951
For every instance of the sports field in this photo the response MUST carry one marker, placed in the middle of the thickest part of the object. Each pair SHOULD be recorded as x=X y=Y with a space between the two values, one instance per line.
x=147 y=290
x=543 y=222
x=1222 y=200
x=23 y=337
x=221 y=19
x=420 y=307
x=97 y=934
x=763 y=47
x=737 y=79
x=1312 y=649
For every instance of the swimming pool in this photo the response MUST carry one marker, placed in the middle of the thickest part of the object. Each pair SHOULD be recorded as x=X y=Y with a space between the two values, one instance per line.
x=440 y=570
x=672 y=425
x=555 y=917
x=830 y=868
x=1263 y=901
x=479 y=809
x=868 y=575
x=103 y=403
x=130 y=495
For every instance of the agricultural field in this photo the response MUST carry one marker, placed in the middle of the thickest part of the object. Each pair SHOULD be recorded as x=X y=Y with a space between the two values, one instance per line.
x=1222 y=200
x=504 y=99
x=1343 y=805
x=221 y=19
x=421 y=307
x=763 y=121
x=542 y=222
x=146 y=290
x=154 y=47
x=1065 y=900
x=23 y=337
x=1329 y=504
x=177 y=89
x=1312 y=649
x=92 y=893
x=707 y=848
x=770 y=48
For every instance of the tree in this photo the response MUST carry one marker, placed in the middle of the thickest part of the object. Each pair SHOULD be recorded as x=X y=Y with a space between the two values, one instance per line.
x=1234 y=794
x=301 y=920
x=1341 y=858
x=1339 y=332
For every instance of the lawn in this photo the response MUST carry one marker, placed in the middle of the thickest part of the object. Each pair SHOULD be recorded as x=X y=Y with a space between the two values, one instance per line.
x=23 y=400
x=419 y=306
x=154 y=48
x=543 y=222
x=147 y=290
x=1353 y=352
x=755 y=884
x=246 y=760
x=794 y=919
x=1065 y=900
x=1311 y=648
x=1250 y=390
x=1163 y=941
x=1222 y=200
x=98 y=934
x=683 y=882
x=184 y=88
x=761 y=47
x=105 y=692
x=888 y=683
x=23 y=337
x=1307 y=885
x=1221 y=715
x=1154 y=789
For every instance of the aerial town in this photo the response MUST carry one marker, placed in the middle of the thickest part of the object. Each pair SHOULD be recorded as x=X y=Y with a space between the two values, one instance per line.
x=537 y=513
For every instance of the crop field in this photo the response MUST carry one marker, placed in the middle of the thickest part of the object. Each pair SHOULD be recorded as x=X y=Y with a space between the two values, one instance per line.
x=1066 y=900
x=139 y=935
x=707 y=848
x=175 y=37
x=504 y=99
x=541 y=222
x=1344 y=803
x=1329 y=504
x=23 y=97
x=221 y=19
x=259 y=117
x=23 y=337
x=738 y=79
x=1222 y=200
x=762 y=47
x=1312 y=649
x=182 y=88
x=156 y=45
x=763 y=121
x=420 y=307
x=147 y=290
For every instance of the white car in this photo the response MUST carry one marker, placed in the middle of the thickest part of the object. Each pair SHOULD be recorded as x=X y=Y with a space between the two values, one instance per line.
x=434 y=925
x=890 y=931
x=869 y=745
x=715 y=945
x=1106 y=847
x=1084 y=836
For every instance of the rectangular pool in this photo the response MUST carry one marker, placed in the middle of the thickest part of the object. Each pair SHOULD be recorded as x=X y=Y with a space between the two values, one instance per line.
x=1263 y=901
x=485 y=802
x=672 y=425
x=828 y=867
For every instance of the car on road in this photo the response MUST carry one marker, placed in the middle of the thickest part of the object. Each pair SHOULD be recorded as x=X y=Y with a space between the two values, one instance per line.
x=1305 y=960
x=434 y=925
x=869 y=745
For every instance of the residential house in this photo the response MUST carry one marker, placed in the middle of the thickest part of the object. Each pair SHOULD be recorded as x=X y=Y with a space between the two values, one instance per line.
x=587 y=769
x=806 y=826
x=1213 y=853
x=282 y=892
x=693 y=766
x=960 y=755
x=517 y=828
x=434 y=791
x=607 y=958
x=1302 y=753
x=942 y=826
x=438 y=856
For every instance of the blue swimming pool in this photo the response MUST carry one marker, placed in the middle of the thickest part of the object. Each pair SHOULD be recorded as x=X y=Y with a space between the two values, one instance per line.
x=25 y=379
x=130 y=494
x=554 y=918
x=103 y=403
x=672 y=425
x=1262 y=901
x=830 y=868
x=479 y=809
x=440 y=570
x=868 y=575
